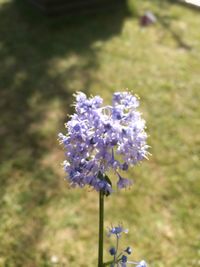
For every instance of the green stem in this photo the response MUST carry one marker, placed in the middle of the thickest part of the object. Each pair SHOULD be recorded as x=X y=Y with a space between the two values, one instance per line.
x=117 y=245
x=101 y=228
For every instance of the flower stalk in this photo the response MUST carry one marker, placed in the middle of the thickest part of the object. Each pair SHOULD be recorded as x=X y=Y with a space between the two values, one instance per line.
x=100 y=139
x=101 y=228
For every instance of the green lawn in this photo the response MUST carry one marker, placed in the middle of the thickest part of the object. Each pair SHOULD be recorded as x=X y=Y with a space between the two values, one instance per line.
x=43 y=62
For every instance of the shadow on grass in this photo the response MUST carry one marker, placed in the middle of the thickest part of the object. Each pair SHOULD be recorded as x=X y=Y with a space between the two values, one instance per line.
x=34 y=85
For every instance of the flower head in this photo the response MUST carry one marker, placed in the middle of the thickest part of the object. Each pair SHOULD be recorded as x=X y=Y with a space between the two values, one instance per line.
x=102 y=138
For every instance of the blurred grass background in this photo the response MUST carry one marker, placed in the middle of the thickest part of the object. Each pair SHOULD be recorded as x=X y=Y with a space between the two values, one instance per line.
x=43 y=61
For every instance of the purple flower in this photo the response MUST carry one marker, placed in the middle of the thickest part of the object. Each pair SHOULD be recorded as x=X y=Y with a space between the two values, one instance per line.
x=123 y=261
x=117 y=230
x=112 y=251
x=103 y=138
x=128 y=250
x=124 y=258
x=142 y=264
x=123 y=182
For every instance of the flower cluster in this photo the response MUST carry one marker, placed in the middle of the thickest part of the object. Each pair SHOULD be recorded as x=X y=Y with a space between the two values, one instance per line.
x=120 y=258
x=102 y=138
